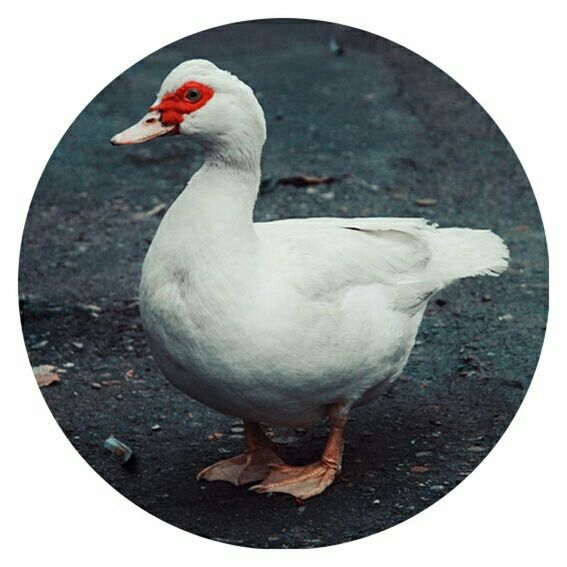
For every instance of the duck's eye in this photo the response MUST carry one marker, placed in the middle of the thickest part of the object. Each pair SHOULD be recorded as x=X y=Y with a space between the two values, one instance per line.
x=193 y=95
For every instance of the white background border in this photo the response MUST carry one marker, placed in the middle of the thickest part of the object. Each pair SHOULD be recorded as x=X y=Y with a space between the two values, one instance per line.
x=57 y=56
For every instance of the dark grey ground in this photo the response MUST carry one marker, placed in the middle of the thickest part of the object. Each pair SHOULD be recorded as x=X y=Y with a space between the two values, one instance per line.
x=395 y=129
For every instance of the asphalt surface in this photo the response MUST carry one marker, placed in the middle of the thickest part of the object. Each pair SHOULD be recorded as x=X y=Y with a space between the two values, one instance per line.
x=393 y=130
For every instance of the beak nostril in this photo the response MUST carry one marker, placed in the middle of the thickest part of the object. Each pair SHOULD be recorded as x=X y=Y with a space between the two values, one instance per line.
x=149 y=127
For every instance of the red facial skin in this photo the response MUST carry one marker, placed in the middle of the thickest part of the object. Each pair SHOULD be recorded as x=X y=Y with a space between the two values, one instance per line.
x=174 y=106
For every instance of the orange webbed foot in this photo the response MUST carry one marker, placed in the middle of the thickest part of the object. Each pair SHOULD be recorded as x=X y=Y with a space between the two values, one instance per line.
x=251 y=466
x=301 y=482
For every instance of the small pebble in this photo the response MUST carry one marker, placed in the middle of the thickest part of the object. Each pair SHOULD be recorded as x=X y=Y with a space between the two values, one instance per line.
x=156 y=427
x=39 y=345
x=336 y=48
x=237 y=429
x=96 y=385
x=77 y=344
x=90 y=307
x=376 y=502
x=420 y=454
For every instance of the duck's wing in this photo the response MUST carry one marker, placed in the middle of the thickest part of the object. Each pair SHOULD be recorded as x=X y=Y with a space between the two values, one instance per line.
x=410 y=256
x=325 y=255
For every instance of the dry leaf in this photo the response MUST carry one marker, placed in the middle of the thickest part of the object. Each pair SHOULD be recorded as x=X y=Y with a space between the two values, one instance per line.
x=45 y=375
x=306 y=180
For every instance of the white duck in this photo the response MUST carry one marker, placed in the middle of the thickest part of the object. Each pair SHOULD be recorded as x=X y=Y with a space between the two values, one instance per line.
x=281 y=322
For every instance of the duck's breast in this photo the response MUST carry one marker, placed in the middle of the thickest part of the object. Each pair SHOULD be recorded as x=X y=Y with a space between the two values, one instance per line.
x=265 y=352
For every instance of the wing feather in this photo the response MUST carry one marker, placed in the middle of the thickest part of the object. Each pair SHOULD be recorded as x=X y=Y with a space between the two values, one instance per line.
x=327 y=255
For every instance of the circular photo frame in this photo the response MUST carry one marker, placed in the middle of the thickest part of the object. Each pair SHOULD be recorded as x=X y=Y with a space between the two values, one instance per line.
x=314 y=315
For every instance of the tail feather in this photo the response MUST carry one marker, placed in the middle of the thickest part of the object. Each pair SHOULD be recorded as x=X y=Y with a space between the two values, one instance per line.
x=464 y=253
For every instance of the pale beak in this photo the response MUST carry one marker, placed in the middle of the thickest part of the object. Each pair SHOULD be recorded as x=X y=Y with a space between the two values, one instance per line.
x=148 y=128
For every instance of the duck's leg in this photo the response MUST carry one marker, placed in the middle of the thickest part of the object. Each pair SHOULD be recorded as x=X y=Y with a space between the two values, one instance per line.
x=308 y=481
x=252 y=465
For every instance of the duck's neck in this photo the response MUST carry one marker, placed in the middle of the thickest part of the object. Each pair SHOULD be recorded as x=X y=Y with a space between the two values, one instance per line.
x=222 y=196
x=214 y=214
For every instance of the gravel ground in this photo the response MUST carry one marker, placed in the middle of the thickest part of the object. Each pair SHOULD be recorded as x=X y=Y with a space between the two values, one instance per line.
x=393 y=131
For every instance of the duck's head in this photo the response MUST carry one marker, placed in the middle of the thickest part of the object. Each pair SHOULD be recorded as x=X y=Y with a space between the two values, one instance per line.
x=201 y=101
